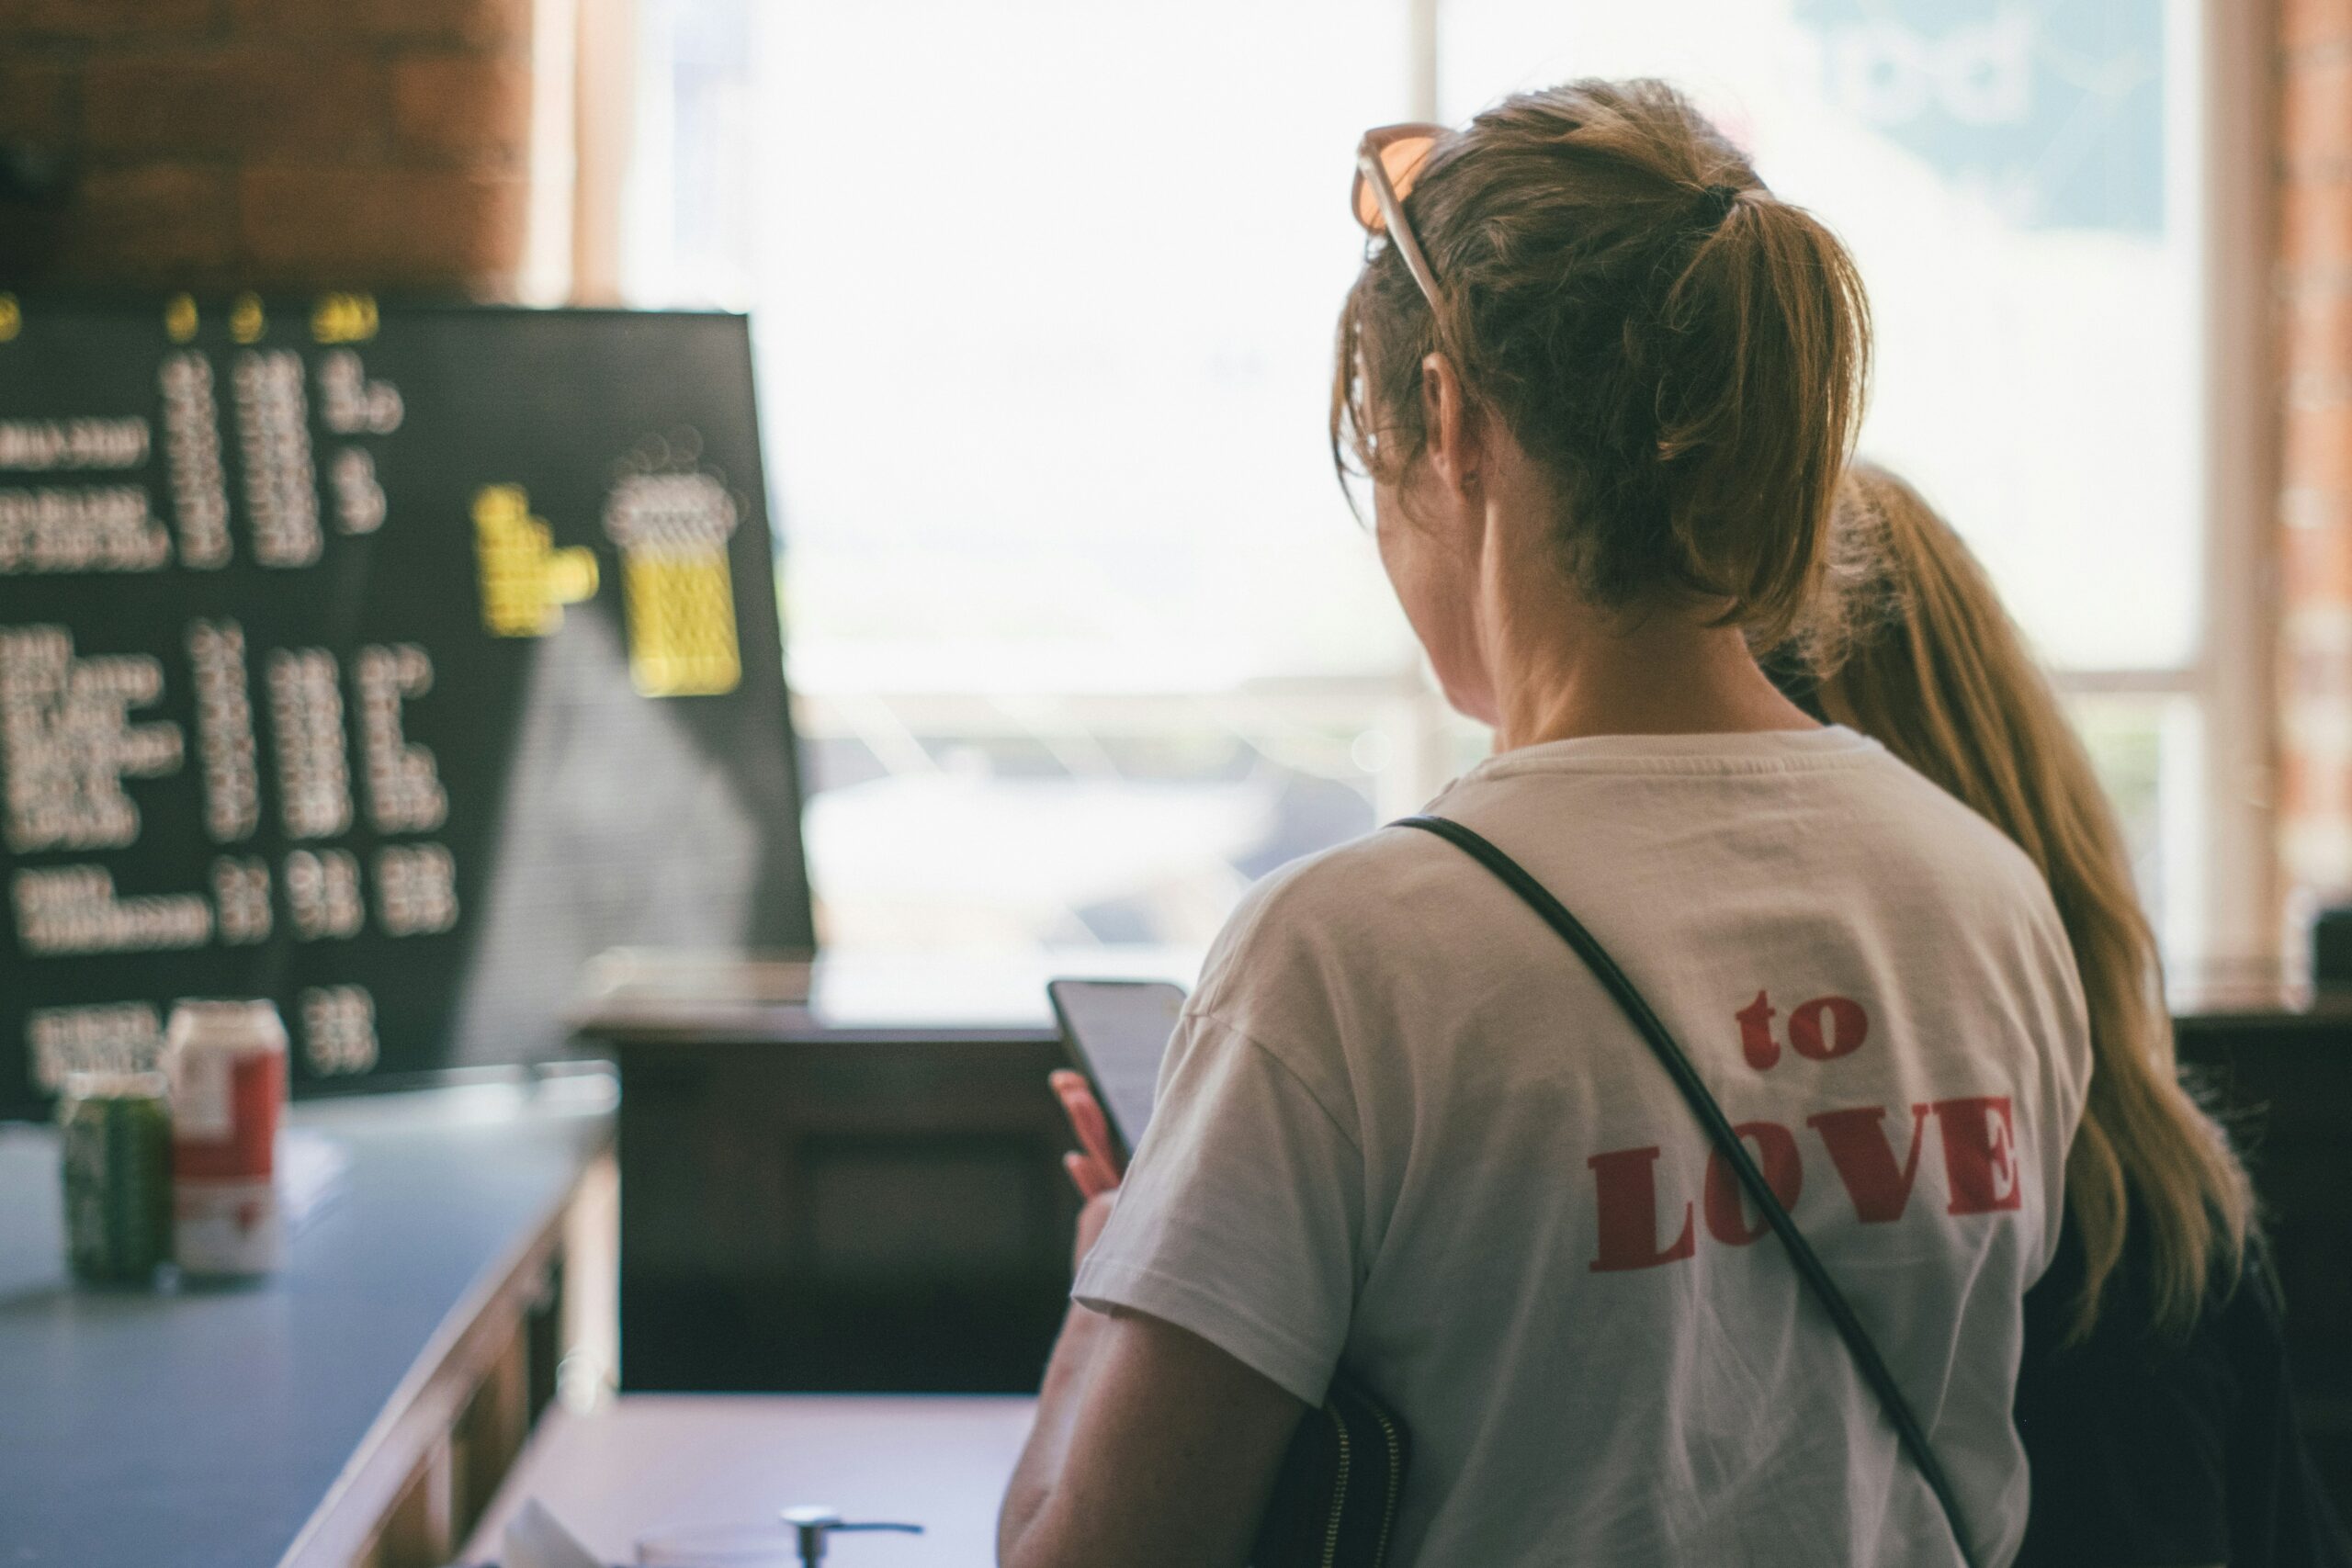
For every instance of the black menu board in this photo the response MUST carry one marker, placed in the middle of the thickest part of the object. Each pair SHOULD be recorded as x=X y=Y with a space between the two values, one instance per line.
x=385 y=662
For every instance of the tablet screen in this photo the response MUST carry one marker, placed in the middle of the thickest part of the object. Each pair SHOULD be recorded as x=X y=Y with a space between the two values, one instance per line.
x=1118 y=1030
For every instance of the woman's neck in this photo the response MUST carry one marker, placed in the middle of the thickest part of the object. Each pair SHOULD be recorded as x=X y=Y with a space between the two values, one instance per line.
x=1561 y=671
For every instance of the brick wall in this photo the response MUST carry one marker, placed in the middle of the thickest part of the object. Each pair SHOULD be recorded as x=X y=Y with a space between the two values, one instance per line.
x=291 y=143
x=2315 y=357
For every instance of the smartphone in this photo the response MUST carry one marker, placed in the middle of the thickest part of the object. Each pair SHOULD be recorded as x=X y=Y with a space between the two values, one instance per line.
x=1115 y=1033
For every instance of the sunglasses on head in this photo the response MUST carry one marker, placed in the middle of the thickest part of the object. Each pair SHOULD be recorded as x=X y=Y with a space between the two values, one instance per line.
x=1387 y=161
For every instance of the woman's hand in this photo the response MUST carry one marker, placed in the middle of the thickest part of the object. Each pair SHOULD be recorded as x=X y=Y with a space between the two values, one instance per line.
x=1094 y=1166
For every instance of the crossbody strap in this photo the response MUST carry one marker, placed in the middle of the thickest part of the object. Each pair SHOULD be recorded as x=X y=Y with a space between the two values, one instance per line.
x=1728 y=1144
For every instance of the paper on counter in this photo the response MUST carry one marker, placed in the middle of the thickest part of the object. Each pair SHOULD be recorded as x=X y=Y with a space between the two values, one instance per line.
x=533 y=1540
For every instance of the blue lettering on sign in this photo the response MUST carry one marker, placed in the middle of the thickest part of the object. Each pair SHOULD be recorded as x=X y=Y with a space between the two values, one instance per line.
x=2053 y=109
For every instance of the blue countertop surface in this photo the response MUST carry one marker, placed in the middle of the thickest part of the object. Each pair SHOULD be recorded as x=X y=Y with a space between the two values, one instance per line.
x=200 y=1429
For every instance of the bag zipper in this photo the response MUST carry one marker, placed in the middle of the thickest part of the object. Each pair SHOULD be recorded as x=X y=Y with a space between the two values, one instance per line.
x=1395 y=1485
x=1341 y=1474
x=1338 y=1493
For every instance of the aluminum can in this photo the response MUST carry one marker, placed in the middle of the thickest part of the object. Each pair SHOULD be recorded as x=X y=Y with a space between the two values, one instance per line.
x=226 y=1064
x=115 y=1148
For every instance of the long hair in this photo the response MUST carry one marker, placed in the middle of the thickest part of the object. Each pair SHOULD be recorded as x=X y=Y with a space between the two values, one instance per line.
x=1922 y=656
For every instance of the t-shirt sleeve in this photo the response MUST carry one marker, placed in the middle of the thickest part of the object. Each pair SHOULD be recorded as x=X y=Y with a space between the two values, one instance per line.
x=1240 y=1216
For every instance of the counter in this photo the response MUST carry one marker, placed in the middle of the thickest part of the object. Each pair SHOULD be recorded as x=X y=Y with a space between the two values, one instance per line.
x=359 y=1406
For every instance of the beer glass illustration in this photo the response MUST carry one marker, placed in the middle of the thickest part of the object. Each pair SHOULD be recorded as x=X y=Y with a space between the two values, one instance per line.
x=525 y=581
x=672 y=531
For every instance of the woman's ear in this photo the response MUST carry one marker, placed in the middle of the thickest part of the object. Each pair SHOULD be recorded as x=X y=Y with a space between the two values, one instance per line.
x=1455 y=446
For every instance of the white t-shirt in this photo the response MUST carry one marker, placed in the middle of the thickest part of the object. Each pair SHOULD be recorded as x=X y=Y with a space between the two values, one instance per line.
x=1401 y=1125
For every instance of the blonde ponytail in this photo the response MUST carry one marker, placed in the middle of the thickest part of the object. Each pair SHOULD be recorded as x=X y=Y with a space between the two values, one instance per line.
x=1936 y=671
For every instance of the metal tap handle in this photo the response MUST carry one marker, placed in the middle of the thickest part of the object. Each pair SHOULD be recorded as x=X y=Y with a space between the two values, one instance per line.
x=811 y=1524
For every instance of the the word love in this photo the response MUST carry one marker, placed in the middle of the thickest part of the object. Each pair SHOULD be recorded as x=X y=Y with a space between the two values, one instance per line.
x=1978 y=1135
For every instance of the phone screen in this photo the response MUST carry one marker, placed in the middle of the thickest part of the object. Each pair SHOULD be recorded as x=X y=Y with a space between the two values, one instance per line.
x=1117 y=1032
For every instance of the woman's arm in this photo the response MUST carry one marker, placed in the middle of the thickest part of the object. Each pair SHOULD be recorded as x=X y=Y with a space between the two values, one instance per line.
x=1151 y=1445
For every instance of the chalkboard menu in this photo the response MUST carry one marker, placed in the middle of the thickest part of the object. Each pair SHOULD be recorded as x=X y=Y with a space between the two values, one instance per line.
x=385 y=662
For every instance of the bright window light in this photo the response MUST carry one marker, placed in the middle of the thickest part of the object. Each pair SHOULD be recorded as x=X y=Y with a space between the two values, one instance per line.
x=1044 y=293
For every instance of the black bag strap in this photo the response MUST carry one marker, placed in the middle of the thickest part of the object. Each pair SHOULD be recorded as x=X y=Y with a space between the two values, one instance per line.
x=1728 y=1144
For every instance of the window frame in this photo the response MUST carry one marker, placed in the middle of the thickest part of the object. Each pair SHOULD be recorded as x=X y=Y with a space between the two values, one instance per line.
x=2239 y=916
x=2224 y=914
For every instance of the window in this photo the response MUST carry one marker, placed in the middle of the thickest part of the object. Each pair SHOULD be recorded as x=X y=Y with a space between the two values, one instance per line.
x=2021 y=185
x=1044 y=293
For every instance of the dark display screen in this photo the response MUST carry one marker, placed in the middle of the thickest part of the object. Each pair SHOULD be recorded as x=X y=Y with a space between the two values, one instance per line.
x=388 y=663
x=1119 y=1030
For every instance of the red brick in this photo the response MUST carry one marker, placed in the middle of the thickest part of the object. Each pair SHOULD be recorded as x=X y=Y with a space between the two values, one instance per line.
x=37 y=103
x=471 y=106
x=492 y=24
x=2316 y=566
x=2315 y=784
x=2317 y=675
x=2317 y=450
x=477 y=22
x=2295 y=786
x=154 y=223
x=2314 y=344
x=2310 y=789
x=109 y=18
x=2306 y=24
x=2315 y=308
x=366 y=228
x=277 y=20
x=243 y=101
x=2303 y=508
x=2315 y=110
x=2315 y=226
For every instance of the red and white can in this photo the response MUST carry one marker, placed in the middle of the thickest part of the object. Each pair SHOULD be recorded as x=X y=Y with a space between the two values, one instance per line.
x=227 y=1062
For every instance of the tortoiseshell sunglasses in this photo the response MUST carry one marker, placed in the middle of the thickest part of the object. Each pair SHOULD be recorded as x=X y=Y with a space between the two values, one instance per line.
x=1387 y=159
